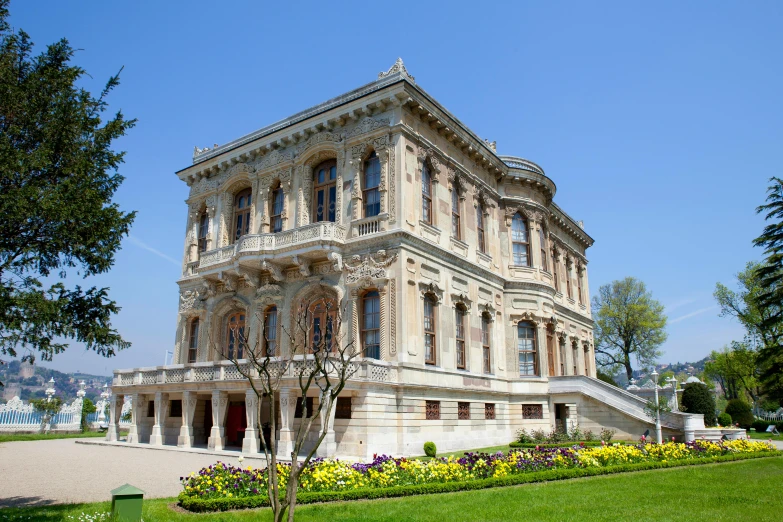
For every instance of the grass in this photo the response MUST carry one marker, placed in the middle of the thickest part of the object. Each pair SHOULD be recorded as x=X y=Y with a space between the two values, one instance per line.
x=764 y=436
x=16 y=437
x=744 y=490
x=491 y=449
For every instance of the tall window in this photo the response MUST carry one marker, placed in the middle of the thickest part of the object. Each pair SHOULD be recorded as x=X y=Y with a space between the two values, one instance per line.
x=236 y=335
x=456 y=231
x=579 y=286
x=482 y=244
x=550 y=349
x=459 y=322
x=526 y=346
x=429 y=330
x=575 y=347
x=562 y=356
x=276 y=215
x=203 y=230
x=371 y=325
x=324 y=315
x=555 y=272
x=193 y=341
x=520 y=240
x=485 y=346
x=426 y=195
x=587 y=360
x=270 y=331
x=568 y=281
x=370 y=192
x=542 y=242
x=242 y=213
x=325 y=191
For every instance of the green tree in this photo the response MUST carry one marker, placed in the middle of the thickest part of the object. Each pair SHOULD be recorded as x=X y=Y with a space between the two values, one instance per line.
x=87 y=407
x=58 y=174
x=603 y=376
x=740 y=413
x=769 y=300
x=735 y=369
x=696 y=398
x=629 y=324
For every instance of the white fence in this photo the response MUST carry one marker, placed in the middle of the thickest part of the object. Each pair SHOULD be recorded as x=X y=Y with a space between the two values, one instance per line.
x=770 y=417
x=18 y=416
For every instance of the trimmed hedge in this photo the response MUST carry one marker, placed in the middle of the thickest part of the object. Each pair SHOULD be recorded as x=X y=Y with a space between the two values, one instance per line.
x=226 y=504
x=571 y=444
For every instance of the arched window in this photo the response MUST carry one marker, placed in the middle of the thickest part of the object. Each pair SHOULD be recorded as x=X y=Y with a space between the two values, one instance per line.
x=193 y=340
x=370 y=192
x=203 y=230
x=235 y=335
x=323 y=313
x=544 y=249
x=276 y=212
x=526 y=346
x=459 y=327
x=371 y=324
x=456 y=229
x=270 y=331
x=325 y=191
x=429 y=329
x=482 y=245
x=485 y=343
x=520 y=239
x=426 y=194
x=242 y=203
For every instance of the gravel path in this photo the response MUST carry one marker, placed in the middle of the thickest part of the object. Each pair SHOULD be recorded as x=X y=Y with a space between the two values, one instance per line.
x=62 y=471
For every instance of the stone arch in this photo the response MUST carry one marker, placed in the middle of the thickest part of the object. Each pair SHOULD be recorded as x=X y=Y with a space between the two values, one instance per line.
x=235 y=184
x=219 y=319
x=315 y=157
x=306 y=295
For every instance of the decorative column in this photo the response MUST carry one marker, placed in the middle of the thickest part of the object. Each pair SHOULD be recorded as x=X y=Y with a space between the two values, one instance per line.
x=250 y=442
x=285 y=442
x=579 y=361
x=541 y=349
x=138 y=407
x=535 y=245
x=211 y=208
x=569 y=264
x=189 y=401
x=262 y=206
x=383 y=158
x=562 y=353
x=304 y=175
x=115 y=413
x=356 y=190
x=161 y=413
x=219 y=409
x=328 y=446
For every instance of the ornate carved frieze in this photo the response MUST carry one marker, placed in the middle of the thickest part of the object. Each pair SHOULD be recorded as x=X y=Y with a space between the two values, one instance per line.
x=532 y=317
x=189 y=301
x=303 y=265
x=273 y=159
x=317 y=139
x=337 y=259
x=370 y=271
x=274 y=270
x=366 y=125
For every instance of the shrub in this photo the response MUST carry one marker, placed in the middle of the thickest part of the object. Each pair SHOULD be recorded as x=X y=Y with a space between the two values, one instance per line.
x=539 y=435
x=696 y=398
x=740 y=412
x=523 y=437
x=589 y=435
x=760 y=426
x=607 y=434
x=724 y=419
x=430 y=449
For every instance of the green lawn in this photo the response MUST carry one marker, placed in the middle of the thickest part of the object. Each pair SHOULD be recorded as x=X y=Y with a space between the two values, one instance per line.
x=764 y=436
x=14 y=437
x=744 y=490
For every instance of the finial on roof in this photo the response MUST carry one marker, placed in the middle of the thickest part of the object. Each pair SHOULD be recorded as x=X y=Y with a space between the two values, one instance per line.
x=398 y=67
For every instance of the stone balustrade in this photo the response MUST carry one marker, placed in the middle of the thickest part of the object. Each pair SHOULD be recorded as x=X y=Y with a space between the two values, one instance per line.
x=316 y=234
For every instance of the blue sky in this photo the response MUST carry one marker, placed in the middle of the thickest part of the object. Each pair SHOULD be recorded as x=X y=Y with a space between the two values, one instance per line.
x=660 y=123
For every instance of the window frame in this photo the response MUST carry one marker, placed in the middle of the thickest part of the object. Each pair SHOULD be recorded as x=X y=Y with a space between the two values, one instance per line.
x=241 y=324
x=533 y=343
x=363 y=329
x=463 y=410
x=579 y=288
x=519 y=218
x=489 y=411
x=203 y=231
x=544 y=248
x=193 y=339
x=433 y=302
x=486 y=343
x=328 y=313
x=269 y=312
x=276 y=219
x=459 y=335
x=456 y=216
x=368 y=190
x=240 y=212
x=432 y=410
x=325 y=186
x=426 y=194
x=481 y=239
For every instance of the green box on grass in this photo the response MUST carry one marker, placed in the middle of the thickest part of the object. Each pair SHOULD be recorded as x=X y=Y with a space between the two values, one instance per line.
x=126 y=503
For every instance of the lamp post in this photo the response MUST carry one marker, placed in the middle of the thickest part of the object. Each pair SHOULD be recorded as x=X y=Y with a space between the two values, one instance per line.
x=673 y=382
x=657 y=408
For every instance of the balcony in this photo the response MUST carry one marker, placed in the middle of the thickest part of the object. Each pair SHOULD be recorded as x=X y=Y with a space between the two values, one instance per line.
x=286 y=244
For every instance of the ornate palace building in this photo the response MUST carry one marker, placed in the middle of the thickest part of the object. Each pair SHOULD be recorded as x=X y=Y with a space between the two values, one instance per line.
x=465 y=285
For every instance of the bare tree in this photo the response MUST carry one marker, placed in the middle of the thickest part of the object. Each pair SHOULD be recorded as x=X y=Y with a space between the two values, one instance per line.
x=320 y=357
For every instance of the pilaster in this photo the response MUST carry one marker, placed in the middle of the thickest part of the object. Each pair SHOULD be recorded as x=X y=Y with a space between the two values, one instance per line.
x=115 y=412
x=161 y=413
x=189 y=401
x=250 y=441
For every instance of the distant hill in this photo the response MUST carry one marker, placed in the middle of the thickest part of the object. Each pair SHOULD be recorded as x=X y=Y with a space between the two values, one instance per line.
x=65 y=384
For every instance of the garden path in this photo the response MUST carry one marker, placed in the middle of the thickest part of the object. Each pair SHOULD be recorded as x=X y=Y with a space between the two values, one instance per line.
x=60 y=471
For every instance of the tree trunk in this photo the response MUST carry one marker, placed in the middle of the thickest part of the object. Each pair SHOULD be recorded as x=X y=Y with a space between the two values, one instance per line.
x=628 y=368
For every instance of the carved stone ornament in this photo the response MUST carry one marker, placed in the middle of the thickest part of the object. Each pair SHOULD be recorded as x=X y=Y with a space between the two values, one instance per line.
x=187 y=300
x=240 y=168
x=481 y=198
x=398 y=67
x=431 y=288
x=337 y=259
x=369 y=272
x=316 y=139
x=273 y=158
x=274 y=270
x=530 y=317
x=366 y=125
x=461 y=299
x=209 y=289
x=489 y=309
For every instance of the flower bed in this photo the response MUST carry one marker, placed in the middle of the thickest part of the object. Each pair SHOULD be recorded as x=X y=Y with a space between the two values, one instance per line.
x=567 y=444
x=223 y=486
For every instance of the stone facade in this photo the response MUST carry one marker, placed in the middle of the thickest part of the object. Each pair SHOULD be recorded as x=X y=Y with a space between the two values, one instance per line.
x=443 y=226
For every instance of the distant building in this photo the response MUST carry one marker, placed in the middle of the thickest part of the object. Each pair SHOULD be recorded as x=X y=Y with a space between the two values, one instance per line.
x=26 y=370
